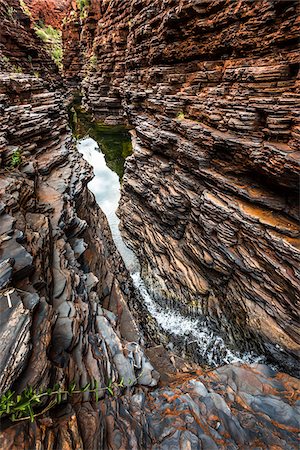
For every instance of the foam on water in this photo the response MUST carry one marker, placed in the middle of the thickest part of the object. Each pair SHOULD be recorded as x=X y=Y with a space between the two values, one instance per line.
x=106 y=188
x=191 y=331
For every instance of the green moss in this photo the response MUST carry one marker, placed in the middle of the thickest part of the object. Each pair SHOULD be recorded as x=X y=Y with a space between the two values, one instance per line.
x=53 y=42
x=25 y=8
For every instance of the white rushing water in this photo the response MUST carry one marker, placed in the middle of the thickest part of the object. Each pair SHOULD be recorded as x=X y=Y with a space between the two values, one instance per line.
x=106 y=188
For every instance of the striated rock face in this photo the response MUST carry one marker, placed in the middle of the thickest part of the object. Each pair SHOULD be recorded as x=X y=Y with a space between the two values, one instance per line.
x=64 y=293
x=54 y=240
x=50 y=12
x=20 y=48
x=59 y=272
x=211 y=89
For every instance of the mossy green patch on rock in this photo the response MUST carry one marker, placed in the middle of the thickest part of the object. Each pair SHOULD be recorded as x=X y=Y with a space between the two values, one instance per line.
x=52 y=38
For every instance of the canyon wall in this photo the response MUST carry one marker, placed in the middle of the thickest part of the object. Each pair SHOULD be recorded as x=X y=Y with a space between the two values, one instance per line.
x=20 y=48
x=64 y=295
x=50 y=12
x=55 y=325
x=210 y=197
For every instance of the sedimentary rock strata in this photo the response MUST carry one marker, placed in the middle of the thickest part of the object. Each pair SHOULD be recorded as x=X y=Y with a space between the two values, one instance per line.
x=213 y=234
x=50 y=12
x=54 y=327
x=20 y=48
x=212 y=91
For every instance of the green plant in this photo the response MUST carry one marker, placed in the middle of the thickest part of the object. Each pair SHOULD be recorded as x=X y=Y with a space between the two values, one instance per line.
x=180 y=115
x=57 y=55
x=23 y=406
x=83 y=7
x=93 y=61
x=25 y=8
x=10 y=12
x=5 y=60
x=17 y=69
x=53 y=41
x=16 y=158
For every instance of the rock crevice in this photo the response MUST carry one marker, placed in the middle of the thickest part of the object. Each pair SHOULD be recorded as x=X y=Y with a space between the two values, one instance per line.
x=212 y=91
x=214 y=202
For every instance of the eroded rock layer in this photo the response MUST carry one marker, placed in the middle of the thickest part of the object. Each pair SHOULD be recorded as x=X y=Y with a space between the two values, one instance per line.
x=54 y=328
x=210 y=196
x=64 y=315
x=50 y=12
x=58 y=260
x=20 y=48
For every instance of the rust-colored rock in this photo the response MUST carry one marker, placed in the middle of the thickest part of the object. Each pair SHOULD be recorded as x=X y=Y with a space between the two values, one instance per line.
x=223 y=238
x=212 y=91
x=50 y=12
x=20 y=48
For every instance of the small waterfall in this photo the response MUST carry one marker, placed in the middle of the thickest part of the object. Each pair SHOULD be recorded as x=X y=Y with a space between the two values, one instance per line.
x=210 y=347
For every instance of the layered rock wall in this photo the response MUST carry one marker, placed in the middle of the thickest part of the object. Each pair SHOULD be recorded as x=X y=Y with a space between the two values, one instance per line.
x=20 y=48
x=210 y=196
x=60 y=279
x=54 y=327
x=50 y=12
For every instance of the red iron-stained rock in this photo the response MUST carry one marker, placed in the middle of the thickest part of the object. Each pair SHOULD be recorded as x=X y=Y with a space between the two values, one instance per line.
x=212 y=91
x=50 y=12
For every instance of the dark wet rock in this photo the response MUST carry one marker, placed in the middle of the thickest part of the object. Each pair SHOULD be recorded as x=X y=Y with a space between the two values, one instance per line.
x=14 y=342
x=23 y=260
x=6 y=270
x=79 y=247
x=29 y=169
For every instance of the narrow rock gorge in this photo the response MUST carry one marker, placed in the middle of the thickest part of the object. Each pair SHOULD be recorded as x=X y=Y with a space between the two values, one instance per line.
x=211 y=91
x=189 y=338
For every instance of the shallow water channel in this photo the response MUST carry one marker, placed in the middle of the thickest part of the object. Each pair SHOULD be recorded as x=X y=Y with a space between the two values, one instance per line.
x=106 y=148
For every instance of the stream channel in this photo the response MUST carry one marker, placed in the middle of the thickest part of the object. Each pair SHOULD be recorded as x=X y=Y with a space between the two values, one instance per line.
x=106 y=148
